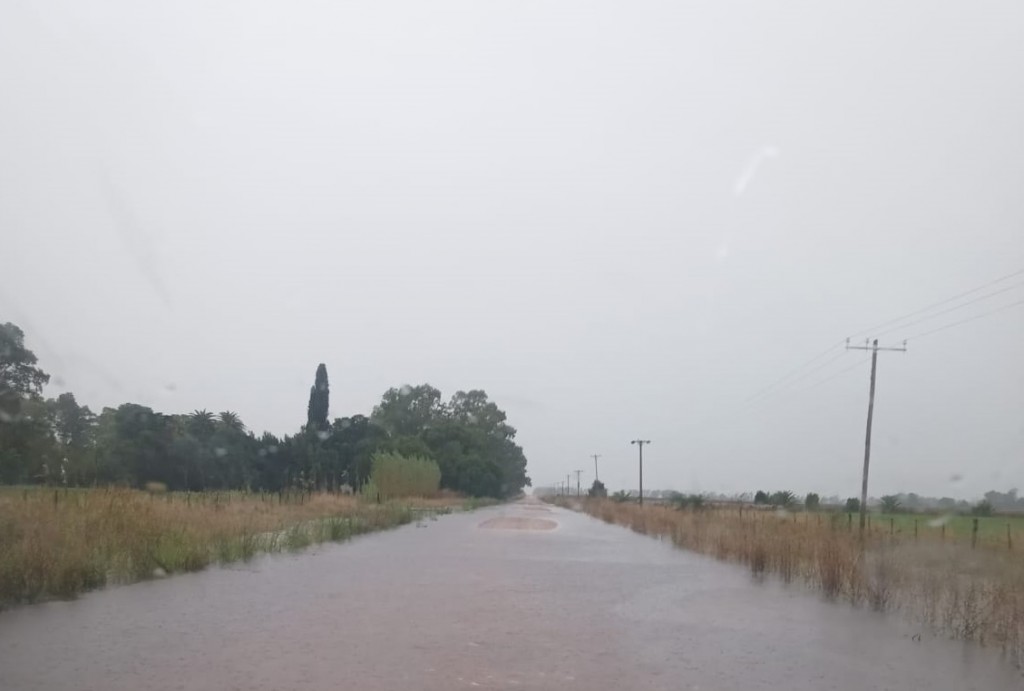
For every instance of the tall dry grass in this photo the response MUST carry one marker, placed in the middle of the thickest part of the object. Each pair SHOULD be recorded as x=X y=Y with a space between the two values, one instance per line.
x=971 y=594
x=58 y=544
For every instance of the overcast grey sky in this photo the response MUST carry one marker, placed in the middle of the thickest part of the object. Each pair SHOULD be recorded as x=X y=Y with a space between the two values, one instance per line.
x=620 y=219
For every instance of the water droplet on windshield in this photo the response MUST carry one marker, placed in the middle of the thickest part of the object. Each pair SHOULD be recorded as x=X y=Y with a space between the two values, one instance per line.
x=220 y=452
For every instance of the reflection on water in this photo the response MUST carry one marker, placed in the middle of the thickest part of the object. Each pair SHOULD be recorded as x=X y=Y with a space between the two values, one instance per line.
x=450 y=606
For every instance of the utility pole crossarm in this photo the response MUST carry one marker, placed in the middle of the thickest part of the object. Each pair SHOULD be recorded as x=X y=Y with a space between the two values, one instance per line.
x=874 y=346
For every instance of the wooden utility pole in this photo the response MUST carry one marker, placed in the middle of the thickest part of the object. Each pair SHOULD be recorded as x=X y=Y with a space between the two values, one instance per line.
x=640 y=443
x=873 y=347
x=577 y=481
x=595 y=456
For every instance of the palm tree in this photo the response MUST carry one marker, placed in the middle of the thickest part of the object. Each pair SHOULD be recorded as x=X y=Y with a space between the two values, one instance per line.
x=200 y=423
x=231 y=421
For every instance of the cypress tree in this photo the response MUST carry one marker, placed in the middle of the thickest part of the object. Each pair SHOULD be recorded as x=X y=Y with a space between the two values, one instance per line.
x=319 y=399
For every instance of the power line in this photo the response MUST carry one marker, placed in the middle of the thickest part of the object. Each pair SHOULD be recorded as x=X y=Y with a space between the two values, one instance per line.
x=790 y=384
x=952 y=309
x=793 y=373
x=837 y=374
x=968 y=319
x=940 y=303
x=787 y=381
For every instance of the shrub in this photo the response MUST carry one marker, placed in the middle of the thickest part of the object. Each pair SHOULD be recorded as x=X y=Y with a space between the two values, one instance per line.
x=812 y=501
x=394 y=475
x=853 y=505
x=683 y=501
x=982 y=508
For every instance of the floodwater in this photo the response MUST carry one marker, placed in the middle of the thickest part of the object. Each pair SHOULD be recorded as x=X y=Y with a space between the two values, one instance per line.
x=495 y=599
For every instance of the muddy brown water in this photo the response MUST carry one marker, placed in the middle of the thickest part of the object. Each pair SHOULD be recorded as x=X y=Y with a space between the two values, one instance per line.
x=450 y=605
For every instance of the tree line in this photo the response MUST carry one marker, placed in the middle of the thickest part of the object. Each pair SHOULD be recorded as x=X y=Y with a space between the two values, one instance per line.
x=58 y=441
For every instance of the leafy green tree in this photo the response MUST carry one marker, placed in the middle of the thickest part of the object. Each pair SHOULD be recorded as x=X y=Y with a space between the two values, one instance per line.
x=982 y=508
x=354 y=440
x=319 y=401
x=852 y=505
x=28 y=450
x=469 y=439
x=761 y=497
x=141 y=444
x=890 y=503
x=597 y=490
x=812 y=501
x=19 y=377
x=74 y=428
x=409 y=410
x=783 y=499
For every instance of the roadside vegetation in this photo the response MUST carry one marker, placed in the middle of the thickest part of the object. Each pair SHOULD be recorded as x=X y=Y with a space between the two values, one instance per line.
x=62 y=442
x=87 y=500
x=57 y=543
x=938 y=571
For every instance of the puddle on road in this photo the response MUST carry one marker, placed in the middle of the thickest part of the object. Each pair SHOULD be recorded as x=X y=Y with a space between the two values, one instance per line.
x=519 y=523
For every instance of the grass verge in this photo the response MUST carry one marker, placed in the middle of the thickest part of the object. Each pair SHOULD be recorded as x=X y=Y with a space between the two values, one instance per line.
x=56 y=544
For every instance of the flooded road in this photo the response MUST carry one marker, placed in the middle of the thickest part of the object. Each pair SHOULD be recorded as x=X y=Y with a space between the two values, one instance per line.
x=514 y=597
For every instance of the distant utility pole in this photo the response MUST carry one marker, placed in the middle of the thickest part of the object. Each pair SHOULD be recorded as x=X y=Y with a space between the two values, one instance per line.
x=577 y=481
x=595 y=456
x=640 y=443
x=873 y=347
x=568 y=483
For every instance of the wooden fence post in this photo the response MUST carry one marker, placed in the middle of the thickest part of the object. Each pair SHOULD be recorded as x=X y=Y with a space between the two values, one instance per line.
x=974 y=534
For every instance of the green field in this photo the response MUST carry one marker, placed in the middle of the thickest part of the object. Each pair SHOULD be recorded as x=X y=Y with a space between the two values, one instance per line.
x=992 y=530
